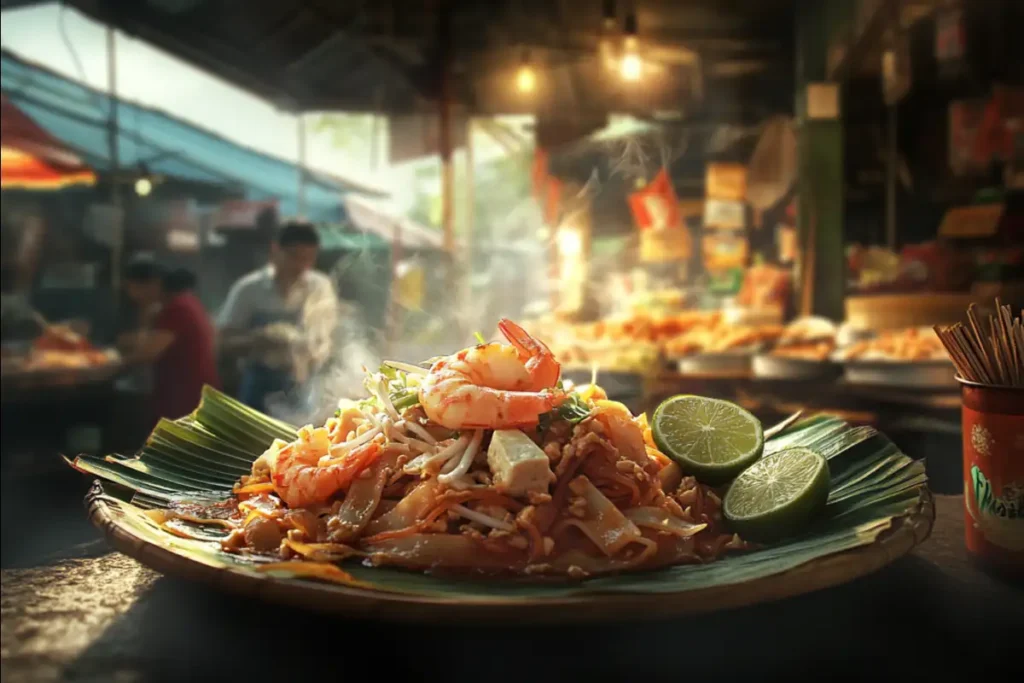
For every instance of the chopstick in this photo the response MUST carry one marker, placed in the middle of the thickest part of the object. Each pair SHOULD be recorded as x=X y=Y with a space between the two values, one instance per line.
x=996 y=357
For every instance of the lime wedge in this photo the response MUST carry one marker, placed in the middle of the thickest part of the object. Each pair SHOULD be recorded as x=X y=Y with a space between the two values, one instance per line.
x=711 y=439
x=778 y=495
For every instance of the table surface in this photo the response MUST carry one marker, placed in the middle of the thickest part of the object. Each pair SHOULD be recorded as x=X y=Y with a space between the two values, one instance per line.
x=86 y=613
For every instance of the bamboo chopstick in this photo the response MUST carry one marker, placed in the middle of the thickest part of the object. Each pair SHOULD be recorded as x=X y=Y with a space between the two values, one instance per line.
x=990 y=354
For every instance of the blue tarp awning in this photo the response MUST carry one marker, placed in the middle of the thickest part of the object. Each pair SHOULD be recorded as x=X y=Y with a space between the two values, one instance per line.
x=77 y=115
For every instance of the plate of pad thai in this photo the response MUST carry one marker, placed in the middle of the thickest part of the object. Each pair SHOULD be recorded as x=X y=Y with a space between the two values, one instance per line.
x=478 y=484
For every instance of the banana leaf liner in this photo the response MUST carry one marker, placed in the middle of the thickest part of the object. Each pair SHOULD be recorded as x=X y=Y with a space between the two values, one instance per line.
x=878 y=509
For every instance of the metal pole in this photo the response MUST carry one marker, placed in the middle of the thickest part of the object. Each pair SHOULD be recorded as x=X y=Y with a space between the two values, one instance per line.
x=375 y=133
x=891 y=173
x=445 y=137
x=470 y=190
x=470 y=236
x=117 y=236
x=302 y=166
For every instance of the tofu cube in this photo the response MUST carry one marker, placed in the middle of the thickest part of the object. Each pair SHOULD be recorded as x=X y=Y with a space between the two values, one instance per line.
x=518 y=465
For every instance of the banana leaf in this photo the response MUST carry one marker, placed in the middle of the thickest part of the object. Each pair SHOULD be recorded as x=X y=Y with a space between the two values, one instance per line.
x=199 y=456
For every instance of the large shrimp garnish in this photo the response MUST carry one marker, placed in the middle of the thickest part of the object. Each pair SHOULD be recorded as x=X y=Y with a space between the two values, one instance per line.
x=298 y=476
x=493 y=386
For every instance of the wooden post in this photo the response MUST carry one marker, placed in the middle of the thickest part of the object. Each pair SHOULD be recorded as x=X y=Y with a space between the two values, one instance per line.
x=117 y=241
x=820 y=148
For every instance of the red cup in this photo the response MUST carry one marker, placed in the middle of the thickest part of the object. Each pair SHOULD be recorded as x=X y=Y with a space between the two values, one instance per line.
x=993 y=445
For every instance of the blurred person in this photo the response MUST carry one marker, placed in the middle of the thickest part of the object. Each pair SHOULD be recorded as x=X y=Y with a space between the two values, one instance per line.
x=279 y=320
x=177 y=338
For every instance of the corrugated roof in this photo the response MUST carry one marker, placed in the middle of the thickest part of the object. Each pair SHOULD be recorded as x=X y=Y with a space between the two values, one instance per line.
x=385 y=56
x=77 y=115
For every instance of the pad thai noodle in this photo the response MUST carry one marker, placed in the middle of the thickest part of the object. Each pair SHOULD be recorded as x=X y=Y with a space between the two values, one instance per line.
x=484 y=462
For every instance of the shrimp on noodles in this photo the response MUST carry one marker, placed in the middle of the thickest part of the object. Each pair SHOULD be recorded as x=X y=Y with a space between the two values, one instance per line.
x=493 y=386
x=298 y=477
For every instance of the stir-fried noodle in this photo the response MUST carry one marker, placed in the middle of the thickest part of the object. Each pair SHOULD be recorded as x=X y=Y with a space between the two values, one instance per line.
x=481 y=463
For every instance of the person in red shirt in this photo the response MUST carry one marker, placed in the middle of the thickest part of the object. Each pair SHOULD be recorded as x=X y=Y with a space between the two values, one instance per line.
x=178 y=343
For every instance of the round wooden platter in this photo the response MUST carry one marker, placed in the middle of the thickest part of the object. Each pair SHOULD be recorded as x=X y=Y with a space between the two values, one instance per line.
x=832 y=570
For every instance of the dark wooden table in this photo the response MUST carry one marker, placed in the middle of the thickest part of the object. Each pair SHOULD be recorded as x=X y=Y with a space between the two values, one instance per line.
x=87 y=614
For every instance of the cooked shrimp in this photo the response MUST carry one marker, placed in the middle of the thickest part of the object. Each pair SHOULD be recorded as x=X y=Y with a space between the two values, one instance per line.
x=493 y=386
x=301 y=481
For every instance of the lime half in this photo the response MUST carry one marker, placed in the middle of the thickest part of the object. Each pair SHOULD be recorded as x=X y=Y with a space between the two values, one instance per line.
x=778 y=495
x=713 y=440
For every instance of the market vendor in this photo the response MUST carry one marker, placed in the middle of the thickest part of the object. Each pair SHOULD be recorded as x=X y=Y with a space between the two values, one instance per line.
x=279 y=321
x=177 y=340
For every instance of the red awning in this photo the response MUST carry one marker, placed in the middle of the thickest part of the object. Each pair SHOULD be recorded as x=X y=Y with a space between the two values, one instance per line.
x=34 y=159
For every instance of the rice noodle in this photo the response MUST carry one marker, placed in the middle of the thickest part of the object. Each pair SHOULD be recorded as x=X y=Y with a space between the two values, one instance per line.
x=603 y=523
x=467 y=459
x=659 y=519
x=480 y=517
x=362 y=499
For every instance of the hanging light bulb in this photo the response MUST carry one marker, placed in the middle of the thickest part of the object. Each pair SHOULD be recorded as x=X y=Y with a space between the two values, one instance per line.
x=526 y=77
x=630 y=66
x=143 y=186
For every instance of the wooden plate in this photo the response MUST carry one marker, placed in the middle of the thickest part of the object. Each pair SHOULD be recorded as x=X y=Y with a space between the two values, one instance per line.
x=905 y=532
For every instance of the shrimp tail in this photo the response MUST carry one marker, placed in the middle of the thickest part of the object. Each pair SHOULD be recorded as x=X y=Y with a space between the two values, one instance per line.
x=540 y=362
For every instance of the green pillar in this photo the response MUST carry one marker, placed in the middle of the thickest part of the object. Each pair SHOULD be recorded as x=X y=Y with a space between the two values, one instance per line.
x=820 y=148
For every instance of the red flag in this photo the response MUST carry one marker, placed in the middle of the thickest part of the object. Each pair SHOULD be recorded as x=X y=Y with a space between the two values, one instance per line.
x=656 y=207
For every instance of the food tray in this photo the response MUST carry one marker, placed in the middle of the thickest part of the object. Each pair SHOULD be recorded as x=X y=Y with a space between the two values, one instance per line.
x=767 y=366
x=939 y=374
x=738 y=363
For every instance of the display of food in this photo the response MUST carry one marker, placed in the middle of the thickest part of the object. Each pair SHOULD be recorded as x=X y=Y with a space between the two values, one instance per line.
x=915 y=344
x=721 y=337
x=57 y=348
x=485 y=463
x=636 y=357
x=810 y=338
x=56 y=359
x=802 y=352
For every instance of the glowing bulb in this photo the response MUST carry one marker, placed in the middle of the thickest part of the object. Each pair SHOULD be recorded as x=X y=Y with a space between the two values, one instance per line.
x=570 y=242
x=143 y=186
x=630 y=67
x=526 y=79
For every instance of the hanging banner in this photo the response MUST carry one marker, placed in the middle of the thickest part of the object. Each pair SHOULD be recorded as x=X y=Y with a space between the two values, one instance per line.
x=656 y=206
x=539 y=172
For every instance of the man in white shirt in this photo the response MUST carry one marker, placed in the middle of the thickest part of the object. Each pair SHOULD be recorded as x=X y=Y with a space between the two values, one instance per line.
x=279 y=320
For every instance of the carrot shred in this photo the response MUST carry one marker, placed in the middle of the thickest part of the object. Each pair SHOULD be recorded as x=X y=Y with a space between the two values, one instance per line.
x=315 y=570
x=414 y=528
x=253 y=489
